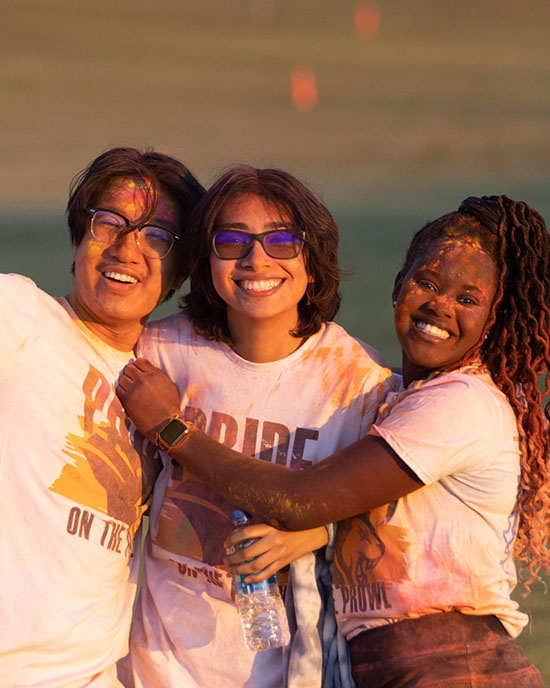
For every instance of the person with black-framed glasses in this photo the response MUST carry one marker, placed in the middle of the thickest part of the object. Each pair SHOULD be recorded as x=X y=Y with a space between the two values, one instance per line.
x=73 y=488
x=154 y=241
x=262 y=368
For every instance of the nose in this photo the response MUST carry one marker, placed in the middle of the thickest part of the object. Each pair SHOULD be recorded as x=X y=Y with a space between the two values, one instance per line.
x=256 y=257
x=126 y=248
x=439 y=305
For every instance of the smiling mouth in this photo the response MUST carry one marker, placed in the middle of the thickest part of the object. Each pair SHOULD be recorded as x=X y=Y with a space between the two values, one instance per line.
x=119 y=277
x=259 y=285
x=432 y=330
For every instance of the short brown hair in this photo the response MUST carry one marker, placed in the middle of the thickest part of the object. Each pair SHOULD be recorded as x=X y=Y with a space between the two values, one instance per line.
x=206 y=310
x=163 y=172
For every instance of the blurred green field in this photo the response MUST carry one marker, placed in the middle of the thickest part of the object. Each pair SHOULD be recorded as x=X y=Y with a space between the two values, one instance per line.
x=450 y=99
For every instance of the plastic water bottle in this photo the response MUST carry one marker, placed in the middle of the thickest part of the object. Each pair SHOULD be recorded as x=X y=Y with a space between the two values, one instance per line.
x=261 y=608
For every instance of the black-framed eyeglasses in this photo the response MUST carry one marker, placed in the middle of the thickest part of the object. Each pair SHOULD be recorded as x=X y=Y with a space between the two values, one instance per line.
x=232 y=244
x=108 y=226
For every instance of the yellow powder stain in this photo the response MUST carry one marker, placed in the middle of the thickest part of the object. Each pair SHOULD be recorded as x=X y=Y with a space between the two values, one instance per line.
x=105 y=473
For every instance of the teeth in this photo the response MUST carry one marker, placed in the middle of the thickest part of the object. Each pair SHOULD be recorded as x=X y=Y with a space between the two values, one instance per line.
x=260 y=285
x=119 y=277
x=433 y=330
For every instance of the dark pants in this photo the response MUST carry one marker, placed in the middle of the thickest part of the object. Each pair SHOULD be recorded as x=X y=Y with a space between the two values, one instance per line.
x=447 y=650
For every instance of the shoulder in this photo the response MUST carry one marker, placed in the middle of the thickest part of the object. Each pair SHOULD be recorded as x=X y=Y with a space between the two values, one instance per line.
x=459 y=399
x=17 y=284
x=20 y=295
x=478 y=390
x=171 y=336
x=172 y=326
x=453 y=423
x=337 y=337
x=21 y=303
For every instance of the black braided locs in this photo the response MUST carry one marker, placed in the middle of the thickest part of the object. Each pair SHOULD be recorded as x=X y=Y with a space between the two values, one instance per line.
x=515 y=344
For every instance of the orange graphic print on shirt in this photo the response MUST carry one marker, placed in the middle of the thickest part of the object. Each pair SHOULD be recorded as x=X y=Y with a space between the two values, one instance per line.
x=106 y=473
x=195 y=520
x=370 y=549
x=369 y=559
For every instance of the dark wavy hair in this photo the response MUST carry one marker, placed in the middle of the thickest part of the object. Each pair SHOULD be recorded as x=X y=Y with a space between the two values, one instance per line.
x=515 y=343
x=164 y=173
x=206 y=310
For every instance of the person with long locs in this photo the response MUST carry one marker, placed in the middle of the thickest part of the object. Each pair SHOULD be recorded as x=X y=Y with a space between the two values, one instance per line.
x=450 y=483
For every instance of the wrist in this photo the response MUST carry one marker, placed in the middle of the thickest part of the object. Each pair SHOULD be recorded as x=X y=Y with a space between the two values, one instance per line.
x=172 y=433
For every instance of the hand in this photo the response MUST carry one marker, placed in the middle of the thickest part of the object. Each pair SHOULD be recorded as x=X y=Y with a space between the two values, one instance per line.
x=272 y=551
x=148 y=395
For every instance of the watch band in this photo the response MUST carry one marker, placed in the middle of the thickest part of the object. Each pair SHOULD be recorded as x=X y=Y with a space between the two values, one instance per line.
x=173 y=433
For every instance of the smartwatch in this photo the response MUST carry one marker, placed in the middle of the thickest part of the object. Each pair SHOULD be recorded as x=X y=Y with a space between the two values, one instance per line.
x=172 y=434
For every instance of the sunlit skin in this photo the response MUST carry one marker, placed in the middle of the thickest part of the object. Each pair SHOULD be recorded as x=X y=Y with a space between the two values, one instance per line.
x=116 y=287
x=261 y=293
x=442 y=305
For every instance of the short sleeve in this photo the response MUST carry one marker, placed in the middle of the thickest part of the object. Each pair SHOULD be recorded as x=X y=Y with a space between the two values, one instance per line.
x=18 y=301
x=448 y=426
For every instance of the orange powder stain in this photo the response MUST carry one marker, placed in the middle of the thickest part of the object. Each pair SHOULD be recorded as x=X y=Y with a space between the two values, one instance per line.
x=337 y=382
x=192 y=390
x=303 y=87
x=367 y=19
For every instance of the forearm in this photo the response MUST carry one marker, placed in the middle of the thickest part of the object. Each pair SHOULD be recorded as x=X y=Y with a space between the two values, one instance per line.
x=355 y=479
x=273 y=493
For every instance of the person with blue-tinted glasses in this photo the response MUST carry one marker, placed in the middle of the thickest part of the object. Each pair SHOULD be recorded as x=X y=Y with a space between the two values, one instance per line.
x=264 y=370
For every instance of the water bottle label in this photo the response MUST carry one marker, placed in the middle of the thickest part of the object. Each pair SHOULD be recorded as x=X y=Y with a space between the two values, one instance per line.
x=243 y=588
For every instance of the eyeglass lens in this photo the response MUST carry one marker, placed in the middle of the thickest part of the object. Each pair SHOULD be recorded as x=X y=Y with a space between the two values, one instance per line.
x=281 y=243
x=153 y=241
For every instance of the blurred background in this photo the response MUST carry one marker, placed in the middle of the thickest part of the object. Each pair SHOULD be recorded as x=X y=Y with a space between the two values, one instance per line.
x=391 y=111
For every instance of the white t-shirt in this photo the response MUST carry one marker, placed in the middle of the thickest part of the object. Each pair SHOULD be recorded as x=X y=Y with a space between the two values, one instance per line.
x=294 y=411
x=449 y=545
x=72 y=492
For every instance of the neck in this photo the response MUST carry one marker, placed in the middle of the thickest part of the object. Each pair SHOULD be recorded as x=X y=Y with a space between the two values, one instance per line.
x=122 y=336
x=263 y=342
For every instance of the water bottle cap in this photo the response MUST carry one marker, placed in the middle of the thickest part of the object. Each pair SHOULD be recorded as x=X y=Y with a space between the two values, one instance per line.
x=240 y=517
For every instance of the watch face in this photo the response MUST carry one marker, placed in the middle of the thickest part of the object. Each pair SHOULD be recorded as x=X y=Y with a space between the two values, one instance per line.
x=174 y=431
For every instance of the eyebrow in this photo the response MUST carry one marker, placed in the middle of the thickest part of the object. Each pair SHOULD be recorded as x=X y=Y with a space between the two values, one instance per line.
x=163 y=224
x=244 y=227
x=154 y=220
x=466 y=287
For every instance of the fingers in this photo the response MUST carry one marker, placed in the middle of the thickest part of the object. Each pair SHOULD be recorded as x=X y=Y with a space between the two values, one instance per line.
x=138 y=368
x=144 y=365
x=266 y=572
x=238 y=536
x=262 y=558
x=259 y=568
x=238 y=555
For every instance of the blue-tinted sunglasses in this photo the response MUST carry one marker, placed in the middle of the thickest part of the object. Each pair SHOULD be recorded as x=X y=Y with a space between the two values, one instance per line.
x=232 y=244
